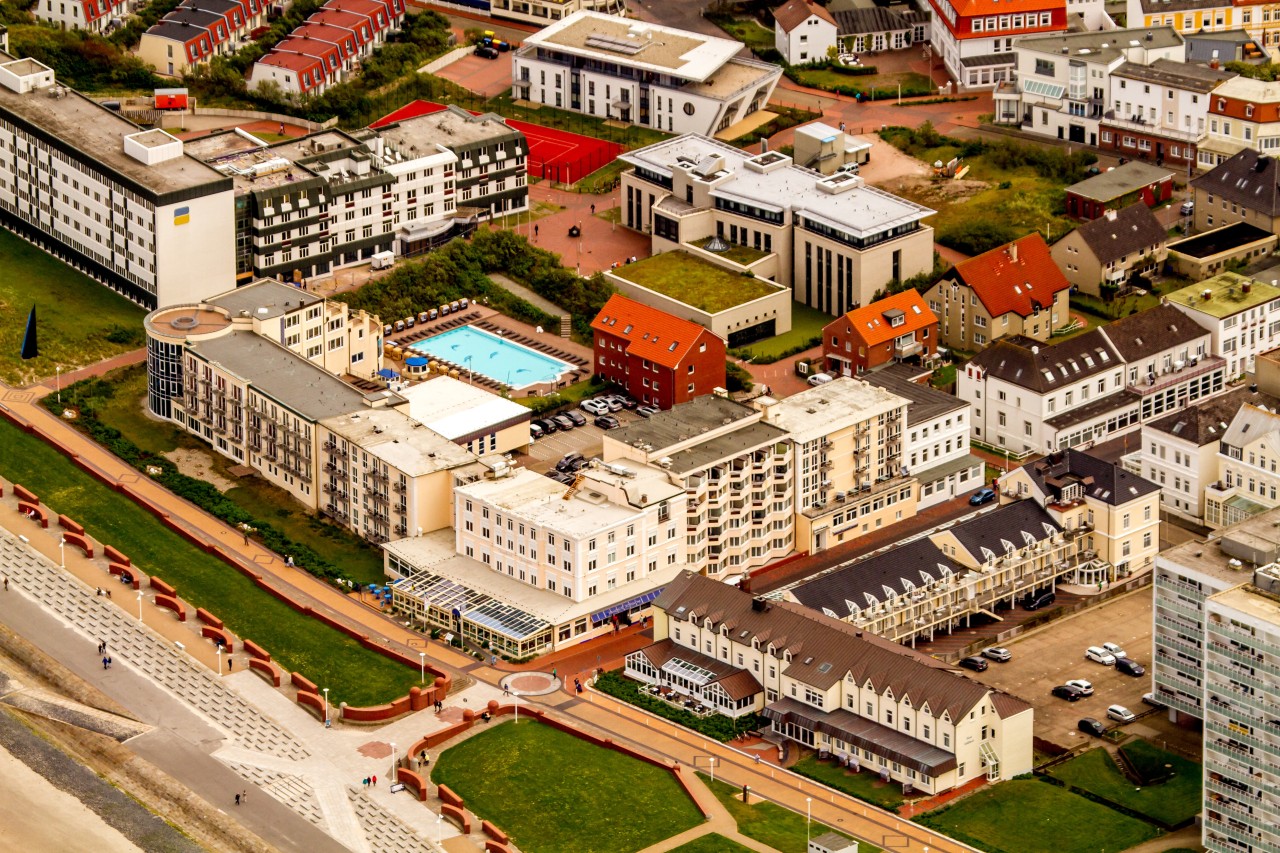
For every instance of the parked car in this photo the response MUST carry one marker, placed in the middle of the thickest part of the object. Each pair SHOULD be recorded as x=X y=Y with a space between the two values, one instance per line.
x=1121 y=713
x=613 y=401
x=1090 y=726
x=1130 y=667
x=535 y=431
x=567 y=462
x=985 y=495
x=577 y=418
x=1097 y=654
x=595 y=407
x=1188 y=208
x=1115 y=650
x=1037 y=600
x=561 y=477
x=821 y=379
x=973 y=662
x=563 y=422
x=627 y=402
x=647 y=411
x=486 y=51
x=998 y=653
x=607 y=422
x=1063 y=691
x=547 y=425
x=1085 y=688
x=1153 y=700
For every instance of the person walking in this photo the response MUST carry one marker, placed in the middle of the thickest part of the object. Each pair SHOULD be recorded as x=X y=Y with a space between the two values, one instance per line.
x=104 y=662
x=375 y=781
x=6 y=583
x=535 y=230
x=237 y=799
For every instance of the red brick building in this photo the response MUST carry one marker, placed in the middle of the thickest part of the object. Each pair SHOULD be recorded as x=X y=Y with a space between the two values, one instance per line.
x=1117 y=188
x=660 y=359
x=897 y=327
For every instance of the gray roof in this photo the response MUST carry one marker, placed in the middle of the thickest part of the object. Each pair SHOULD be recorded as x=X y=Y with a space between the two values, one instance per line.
x=877 y=19
x=1121 y=180
x=741 y=440
x=1147 y=332
x=1095 y=408
x=924 y=401
x=919 y=563
x=450 y=127
x=1166 y=72
x=264 y=299
x=1203 y=47
x=1101 y=480
x=1233 y=236
x=1042 y=367
x=1102 y=46
x=1206 y=422
x=283 y=375
x=1134 y=228
x=1250 y=179
x=1017 y=524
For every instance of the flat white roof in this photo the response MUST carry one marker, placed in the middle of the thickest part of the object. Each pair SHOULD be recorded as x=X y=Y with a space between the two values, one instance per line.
x=637 y=44
x=454 y=408
x=824 y=409
x=540 y=501
x=400 y=441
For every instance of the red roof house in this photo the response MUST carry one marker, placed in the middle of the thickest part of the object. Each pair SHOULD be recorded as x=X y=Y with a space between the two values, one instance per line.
x=898 y=327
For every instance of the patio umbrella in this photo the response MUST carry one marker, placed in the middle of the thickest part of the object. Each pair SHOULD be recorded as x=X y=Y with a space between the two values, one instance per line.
x=415 y=361
x=388 y=373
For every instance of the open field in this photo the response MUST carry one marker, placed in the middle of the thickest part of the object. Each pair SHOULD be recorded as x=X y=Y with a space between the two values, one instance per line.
x=865 y=785
x=355 y=675
x=694 y=282
x=769 y=823
x=712 y=843
x=1170 y=803
x=806 y=331
x=78 y=321
x=553 y=792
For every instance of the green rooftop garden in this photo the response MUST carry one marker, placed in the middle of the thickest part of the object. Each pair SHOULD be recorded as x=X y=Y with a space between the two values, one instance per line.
x=694 y=282
x=738 y=254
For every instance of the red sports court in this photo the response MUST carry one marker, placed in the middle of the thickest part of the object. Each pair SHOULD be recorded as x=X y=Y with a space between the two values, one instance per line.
x=556 y=155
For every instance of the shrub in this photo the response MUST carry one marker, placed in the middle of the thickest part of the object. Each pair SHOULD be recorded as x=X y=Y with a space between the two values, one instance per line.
x=976 y=236
x=737 y=378
x=717 y=726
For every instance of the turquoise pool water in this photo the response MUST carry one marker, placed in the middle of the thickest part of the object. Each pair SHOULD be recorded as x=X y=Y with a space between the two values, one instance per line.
x=489 y=355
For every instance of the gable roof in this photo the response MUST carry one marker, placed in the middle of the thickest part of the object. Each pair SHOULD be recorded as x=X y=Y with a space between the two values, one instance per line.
x=1044 y=368
x=1132 y=229
x=793 y=13
x=1148 y=332
x=872 y=581
x=1207 y=421
x=651 y=334
x=971 y=8
x=1019 y=524
x=1250 y=424
x=1249 y=178
x=1020 y=277
x=1101 y=480
x=872 y=324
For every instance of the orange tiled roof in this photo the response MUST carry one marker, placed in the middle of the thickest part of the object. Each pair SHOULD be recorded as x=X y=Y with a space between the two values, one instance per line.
x=1014 y=276
x=977 y=8
x=653 y=334
x=793 y=13
x=872 y=326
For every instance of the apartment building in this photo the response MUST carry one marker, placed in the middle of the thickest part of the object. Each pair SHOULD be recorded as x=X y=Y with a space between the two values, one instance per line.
x=932 y=585
x=1062 y=80
x=661 y=360
x=803 y=32
x=94 y=16
x=197 y=30
x=975 y=38
x=834 y=241
x=127 y=206
x=1105 y=253
x=831 y=686
x=471 y=417
x=737 y=472
x=1180 y=451
x=848 y=470
x=1216 y=624
x=1244 y=115
x=299 y=66
x=1117 y=511
x=640 y=73
x=539 y=12
x=1241 y=315
x=1159 y=109
x=1242 y=188
x=1245 y=484
x=937 y=436
x=1012 y=290
x=895 y=328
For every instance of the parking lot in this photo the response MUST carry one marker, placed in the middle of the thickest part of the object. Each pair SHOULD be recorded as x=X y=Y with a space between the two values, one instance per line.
x=1055 y=654
x=588 y=440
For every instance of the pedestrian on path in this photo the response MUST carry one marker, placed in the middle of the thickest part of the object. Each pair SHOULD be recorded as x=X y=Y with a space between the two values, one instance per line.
x=104 y=662
x=375 y=781
x=365 y=781
x=553 y=672
x=6 y=583
x=593 y=208
x=109 y=661
x=506 y=691
x=535 y=230
x=757 y=758
x=288 y=561
x=231 y=663
x=237 y=799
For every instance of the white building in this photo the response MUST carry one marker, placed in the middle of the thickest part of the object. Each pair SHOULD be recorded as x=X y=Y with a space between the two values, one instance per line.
x=91 y=15
x=803 y=32
x=478 y=420
x=128 y=206
x=1241 y=315
x=1245 y=485
x=640 y=73
x=1159 y=109
x=975 y=38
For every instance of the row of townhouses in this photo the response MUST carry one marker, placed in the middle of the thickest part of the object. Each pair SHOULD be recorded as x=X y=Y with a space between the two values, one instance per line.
x=195 y=31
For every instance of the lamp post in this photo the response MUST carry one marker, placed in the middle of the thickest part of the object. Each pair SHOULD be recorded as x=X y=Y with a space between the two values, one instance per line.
x=393 y=762
x=59 y=383
x=219 y=652
x=140 y=619
x=326 y=707
x=808 y=817
x=422 y=667
x=62 y=552
x=439 y=829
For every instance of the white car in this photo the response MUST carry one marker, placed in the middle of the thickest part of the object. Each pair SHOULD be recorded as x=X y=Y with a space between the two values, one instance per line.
x=1097 y=654
x=1121 y=713
x=821 y=379
x=1085 y=688
x=595 y=407
x=1114 y=650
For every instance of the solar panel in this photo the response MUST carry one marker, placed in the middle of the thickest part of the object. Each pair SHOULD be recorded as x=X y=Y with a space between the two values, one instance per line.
x=617 y=45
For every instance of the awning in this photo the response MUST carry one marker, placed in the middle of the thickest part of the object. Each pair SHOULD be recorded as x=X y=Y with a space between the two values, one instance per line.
x=415 y=361
x=623 y=606
x=865 y=734
x=388 y=373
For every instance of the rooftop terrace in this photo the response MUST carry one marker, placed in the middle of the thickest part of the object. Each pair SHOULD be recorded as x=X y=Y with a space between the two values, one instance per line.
x=695 y=282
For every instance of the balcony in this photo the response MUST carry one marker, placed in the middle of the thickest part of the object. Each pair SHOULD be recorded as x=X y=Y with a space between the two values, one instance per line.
x=1152 y=384
x=907 y=349
x=1139 y=125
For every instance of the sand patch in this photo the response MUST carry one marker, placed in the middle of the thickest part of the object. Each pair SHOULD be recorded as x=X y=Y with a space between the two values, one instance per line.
x=199 y=464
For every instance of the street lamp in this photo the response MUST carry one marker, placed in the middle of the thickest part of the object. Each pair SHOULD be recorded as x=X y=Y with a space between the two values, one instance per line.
x=393 y=762
x=808 y=817
x=219 y=652
x=326 y=707
x=422 y=667
x=59 y=381
x=62 y=552
x=439 y=829
x=140 y=619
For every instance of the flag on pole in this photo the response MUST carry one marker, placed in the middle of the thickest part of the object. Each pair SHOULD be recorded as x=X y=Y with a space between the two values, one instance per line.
x=29 y=347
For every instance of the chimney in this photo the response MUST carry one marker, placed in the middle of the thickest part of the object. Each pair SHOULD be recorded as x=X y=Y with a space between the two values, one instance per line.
x=1013 y=251
x=1111 y=216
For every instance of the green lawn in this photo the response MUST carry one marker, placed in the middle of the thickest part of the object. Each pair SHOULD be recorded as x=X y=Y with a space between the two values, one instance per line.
x=749 y=32
x=695 y=282
x=552 y=792
x=806 y=331
x=737 y=253
x=712 y=843
x=331 y=659
x=1029 y=816
x=1170 y=803
x=865 y=785
x=74 y=314
x=824 y=78
x=943 y=377
x=1085 y=304
x=769 y=823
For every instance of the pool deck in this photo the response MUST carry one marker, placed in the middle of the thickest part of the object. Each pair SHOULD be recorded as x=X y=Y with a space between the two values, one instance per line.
x=545 y=362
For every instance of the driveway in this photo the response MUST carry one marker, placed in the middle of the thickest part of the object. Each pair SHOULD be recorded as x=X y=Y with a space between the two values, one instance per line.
x=588 y=440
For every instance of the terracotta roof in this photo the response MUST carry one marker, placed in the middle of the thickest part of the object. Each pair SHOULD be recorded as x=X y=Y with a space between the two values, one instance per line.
x=871 y=324
x=793 y=13
x=651 y=334
x=1133 y=229
x=1019 y=277
x=1151 y=331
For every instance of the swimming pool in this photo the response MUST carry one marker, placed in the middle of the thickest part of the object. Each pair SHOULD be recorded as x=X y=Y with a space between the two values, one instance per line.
x=489 y=355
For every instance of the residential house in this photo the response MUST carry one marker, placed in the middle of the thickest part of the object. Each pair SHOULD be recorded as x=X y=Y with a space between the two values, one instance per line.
x=92 y=15
x=897 y=327
x=1245 y=484
x=541 y=12
x=1186 y=16
x=878 y=28
x=660 y=360
x=1243 y=188
x=1104 y=253
x=1244 y=115
x=1015 y=289
x=299 y=66
x=1241 y=315
x=828 y=685
x=803 y=32
x=1120 y=187
x=1159 y=110
x=974 y=38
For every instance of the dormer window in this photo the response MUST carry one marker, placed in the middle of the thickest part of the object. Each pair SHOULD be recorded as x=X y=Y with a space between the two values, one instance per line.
x=1222 y=104
x=1248 y=111
x=1072 y=492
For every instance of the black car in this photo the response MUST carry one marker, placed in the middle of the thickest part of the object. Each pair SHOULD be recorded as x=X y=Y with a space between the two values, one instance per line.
x=1090 y=726
x=570 y=462
x=563 y=422
x=561 y=477
x=1037 y=600
x=578 y=419
x=607 y=422
x=547 y=425
x=627 y=403
x=973 y=662
x=486 y=51
x=1130 y=667
x=1066 y=691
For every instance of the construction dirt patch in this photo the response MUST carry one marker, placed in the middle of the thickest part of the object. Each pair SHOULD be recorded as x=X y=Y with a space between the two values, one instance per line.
x=199 y=464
